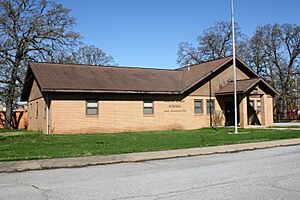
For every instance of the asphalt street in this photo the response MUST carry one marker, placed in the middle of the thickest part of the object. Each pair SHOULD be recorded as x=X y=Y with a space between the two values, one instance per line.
x=261 y=174
x=287 y=124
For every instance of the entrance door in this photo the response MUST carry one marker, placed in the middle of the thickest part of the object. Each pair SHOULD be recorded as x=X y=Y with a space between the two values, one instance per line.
x=229 y=113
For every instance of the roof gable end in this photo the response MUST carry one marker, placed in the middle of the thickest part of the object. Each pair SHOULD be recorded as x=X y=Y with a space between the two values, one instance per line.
x=202 y=73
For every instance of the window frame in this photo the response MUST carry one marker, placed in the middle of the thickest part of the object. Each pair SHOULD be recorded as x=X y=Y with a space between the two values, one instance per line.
x=45 y=110
x=37 y=110
x=258 y=105
x=30 y=110
x=152 y=106
x=195 y=101
x=87 y=107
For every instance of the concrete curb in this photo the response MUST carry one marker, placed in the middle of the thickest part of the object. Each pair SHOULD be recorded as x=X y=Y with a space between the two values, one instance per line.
x=18 y=166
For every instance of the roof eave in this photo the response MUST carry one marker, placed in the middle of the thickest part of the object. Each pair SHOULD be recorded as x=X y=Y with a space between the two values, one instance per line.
x=256 y=74
x=270 y=87
x=228 y=93
x=45 y=90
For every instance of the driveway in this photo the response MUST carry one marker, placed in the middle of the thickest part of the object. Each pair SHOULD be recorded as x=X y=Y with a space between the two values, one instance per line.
x=261 y=174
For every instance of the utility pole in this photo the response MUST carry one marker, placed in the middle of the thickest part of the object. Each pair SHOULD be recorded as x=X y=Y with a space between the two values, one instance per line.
x=234 y=67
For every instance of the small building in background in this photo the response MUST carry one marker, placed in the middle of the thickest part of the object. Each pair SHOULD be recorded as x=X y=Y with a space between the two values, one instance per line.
x=19 y=117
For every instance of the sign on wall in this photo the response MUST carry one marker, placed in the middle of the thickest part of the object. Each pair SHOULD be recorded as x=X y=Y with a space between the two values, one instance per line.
x=174 y=106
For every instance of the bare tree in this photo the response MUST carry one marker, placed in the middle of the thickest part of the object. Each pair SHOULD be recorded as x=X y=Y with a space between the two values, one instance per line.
x=275 y=53
x=214 y=43
x=92 y=55
x=30 y=30
x=88 y=54
x=188 y=55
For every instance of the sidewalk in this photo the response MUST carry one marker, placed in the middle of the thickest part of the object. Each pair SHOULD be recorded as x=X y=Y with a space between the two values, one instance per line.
x=17 y=166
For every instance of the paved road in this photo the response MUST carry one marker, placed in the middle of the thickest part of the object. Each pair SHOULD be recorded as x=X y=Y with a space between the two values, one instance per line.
x=287 y=124
x=261 y=174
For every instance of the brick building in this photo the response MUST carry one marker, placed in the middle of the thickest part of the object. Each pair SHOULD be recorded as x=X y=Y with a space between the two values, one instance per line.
x=19 y=117
x=67 y=98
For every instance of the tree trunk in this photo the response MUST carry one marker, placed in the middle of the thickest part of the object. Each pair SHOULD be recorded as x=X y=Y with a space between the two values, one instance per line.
x=11 y=95
x=284 y=103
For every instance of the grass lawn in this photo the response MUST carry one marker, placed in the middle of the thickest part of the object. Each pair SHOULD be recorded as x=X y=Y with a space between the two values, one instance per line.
x=25 y=145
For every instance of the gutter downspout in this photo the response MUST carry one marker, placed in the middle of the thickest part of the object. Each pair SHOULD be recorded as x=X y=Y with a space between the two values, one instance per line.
x=47 y=114
x=210 y=103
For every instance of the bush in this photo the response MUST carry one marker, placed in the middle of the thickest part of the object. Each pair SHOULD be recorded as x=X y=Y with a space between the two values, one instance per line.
x=218 y=118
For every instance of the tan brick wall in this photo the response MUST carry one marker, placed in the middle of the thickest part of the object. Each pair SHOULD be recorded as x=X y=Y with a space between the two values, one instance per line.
x=243 y=112
x=267 y=110
x=35 y=92
x=269 y=114
x=36 y=110
x=69 y=116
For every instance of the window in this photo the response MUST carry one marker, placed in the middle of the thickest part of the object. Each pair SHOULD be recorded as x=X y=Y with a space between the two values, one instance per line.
x=45 y=110
x=30 y=110
x=37 y=110
x=210 y=105
x=148 y=107
x=198 y=106
x=258 y=105
x=92 y=107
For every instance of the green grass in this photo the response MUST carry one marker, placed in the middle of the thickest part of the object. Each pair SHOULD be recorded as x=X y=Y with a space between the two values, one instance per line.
x=26 y=145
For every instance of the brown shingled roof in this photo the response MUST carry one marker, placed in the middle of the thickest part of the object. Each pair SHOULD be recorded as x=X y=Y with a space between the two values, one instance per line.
x=65 y=77
x=82 y=78
x=243 y=86
x=68 y=77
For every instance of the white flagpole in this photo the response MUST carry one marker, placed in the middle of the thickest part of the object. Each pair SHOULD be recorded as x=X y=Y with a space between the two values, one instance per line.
x=234 y=67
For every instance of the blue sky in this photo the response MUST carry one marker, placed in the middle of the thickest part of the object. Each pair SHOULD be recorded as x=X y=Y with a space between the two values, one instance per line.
x=146 y=33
